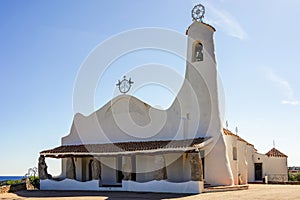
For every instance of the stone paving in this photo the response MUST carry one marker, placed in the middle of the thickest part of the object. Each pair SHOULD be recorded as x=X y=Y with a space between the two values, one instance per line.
x=255 y=191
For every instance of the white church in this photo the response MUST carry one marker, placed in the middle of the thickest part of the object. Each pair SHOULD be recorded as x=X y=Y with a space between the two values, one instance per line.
x=190 y=151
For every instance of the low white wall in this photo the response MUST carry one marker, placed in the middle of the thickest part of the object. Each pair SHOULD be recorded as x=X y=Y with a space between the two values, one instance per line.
x=68 y=184
x=191 y=187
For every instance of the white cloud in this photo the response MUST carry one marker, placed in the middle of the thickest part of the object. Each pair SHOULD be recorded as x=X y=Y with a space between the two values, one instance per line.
x=294 y=102
x=284 y=86
x=225 y=21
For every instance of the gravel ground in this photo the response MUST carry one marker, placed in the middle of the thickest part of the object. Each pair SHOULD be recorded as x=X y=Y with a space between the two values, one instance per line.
x=256 y=191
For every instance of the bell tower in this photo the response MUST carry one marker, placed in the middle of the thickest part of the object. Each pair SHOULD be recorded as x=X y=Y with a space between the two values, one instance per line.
x=200 y=98
x=200 y=37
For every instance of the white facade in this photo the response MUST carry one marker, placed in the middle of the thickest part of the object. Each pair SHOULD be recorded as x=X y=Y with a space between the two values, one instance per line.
x=197 y=99
x=195 y=113
x=250 y=166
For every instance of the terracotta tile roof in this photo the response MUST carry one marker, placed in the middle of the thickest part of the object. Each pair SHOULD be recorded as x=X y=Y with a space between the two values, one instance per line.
x=124 y=147
x=275 y=153
x=228 y=132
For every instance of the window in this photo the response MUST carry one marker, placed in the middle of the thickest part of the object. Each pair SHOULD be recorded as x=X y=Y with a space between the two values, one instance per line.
x=198 y=52
x=234 y=153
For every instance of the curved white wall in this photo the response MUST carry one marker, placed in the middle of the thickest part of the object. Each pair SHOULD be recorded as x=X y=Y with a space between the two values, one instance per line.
x=194 y=113
x=202 y=77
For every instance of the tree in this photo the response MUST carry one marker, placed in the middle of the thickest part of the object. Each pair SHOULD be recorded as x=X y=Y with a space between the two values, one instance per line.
x=32 y=172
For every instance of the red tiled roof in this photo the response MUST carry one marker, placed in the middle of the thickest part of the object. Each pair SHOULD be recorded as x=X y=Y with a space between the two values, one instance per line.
x=228 y=132
x=275 y=153
x=124 y=147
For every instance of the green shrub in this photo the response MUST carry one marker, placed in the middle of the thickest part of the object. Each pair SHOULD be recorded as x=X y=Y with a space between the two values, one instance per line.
x=294 y=177
x=12 y=182
x=35 y=181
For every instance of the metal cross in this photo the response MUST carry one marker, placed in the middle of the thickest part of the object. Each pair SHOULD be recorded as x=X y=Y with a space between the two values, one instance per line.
x=124 y=85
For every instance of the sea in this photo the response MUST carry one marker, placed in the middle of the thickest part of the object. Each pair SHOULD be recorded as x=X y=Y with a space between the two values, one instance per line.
x=6 y=178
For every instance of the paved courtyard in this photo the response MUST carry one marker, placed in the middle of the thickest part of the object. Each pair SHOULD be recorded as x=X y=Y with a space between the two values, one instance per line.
x=288 y=192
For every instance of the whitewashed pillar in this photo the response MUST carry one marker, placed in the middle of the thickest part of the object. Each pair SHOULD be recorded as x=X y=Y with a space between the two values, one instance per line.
x=96 y=169
x=70 y=168
x=42 y=170
x=196 y=166
x=161 y=172
x=127 y=167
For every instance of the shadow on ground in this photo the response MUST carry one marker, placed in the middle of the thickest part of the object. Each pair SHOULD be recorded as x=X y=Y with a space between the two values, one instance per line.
x=103 y=195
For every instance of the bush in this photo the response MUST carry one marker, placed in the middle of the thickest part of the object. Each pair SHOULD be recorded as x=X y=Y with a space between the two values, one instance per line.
x=294 y=177
x=13 y=182
x=35 y=181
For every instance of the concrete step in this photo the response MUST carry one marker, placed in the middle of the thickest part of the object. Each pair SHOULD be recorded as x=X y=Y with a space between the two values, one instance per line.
x=225 y=188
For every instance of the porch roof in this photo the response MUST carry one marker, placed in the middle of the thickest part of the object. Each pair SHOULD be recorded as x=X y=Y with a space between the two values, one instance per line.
x=126 y=147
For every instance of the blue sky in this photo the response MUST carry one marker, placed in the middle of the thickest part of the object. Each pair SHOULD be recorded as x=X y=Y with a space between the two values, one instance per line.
x=43 y=44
